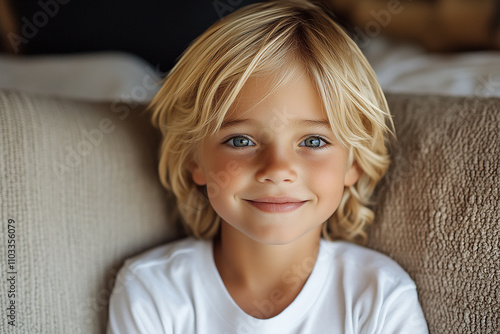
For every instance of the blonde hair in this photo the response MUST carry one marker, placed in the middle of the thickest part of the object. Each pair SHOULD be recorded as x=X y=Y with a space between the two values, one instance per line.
x=258 y=39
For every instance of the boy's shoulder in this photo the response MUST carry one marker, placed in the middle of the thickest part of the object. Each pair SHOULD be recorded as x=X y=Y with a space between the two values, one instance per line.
x=167 y=254
x=365 y=261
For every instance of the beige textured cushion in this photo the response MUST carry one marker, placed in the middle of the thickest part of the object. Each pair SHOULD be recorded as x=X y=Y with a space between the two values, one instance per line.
x=439 y=208
x=81 y=204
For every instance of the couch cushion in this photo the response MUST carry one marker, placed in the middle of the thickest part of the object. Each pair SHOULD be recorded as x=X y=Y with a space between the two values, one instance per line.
x=79 y=186
x=79 y=179
x=438 y=211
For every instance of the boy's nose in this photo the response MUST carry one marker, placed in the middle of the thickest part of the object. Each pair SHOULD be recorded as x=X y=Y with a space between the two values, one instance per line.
x=277 y=165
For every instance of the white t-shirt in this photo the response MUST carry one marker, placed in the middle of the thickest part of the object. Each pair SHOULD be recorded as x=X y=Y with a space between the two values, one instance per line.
x=176 y=288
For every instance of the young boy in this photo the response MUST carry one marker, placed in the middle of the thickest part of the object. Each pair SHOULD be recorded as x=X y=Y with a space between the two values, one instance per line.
x=274 y=136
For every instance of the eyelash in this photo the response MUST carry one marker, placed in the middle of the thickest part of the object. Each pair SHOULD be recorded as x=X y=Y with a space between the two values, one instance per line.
x=313 y=148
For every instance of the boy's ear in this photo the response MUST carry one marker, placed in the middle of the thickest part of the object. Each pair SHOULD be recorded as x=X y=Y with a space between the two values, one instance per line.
x=197 y=173
x=352 y=175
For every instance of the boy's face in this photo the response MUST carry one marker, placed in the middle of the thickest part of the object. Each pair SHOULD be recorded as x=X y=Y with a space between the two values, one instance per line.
x=272 y=155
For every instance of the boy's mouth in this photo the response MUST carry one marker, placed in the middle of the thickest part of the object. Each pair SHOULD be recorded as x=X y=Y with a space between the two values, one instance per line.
x=277 y=200
x=276 y=204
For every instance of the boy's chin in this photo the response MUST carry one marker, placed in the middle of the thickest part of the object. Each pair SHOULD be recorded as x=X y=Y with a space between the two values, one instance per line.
x=282 y=238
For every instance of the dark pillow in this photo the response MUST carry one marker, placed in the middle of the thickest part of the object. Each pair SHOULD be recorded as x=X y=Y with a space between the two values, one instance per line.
x=157 y=30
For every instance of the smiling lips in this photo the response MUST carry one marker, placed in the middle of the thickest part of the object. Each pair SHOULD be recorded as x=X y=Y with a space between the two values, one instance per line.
x=276 y=204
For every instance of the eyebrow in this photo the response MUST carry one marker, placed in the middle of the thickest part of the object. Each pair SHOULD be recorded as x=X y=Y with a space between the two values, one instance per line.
x=299 y=123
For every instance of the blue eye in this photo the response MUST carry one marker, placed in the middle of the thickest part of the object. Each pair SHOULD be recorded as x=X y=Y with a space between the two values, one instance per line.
x=315 y=141
x=239 y=141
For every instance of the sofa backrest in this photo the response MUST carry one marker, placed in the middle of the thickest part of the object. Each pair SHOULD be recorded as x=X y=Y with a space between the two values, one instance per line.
x=80 y=194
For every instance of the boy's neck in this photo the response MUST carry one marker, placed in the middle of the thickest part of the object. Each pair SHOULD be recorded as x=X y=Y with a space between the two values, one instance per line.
x=253 y=272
